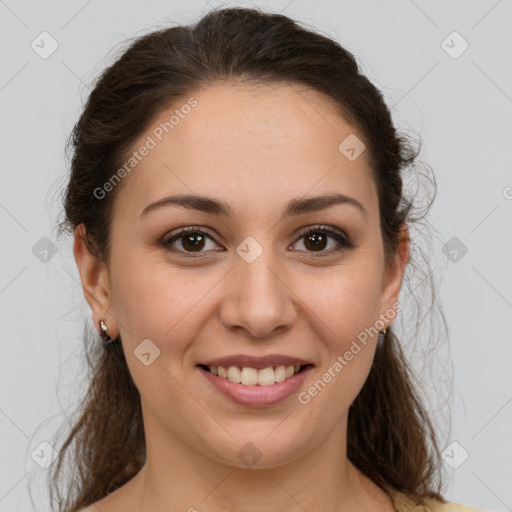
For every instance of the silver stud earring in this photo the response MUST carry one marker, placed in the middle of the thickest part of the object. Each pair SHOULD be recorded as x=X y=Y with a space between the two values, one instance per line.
x=382 y=337
x=104 y=332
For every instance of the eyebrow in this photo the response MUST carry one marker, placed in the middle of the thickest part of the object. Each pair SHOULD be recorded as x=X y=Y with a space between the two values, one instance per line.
x=212 y=206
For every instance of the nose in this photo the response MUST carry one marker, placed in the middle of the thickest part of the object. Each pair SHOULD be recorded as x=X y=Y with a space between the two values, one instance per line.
x=258 y=298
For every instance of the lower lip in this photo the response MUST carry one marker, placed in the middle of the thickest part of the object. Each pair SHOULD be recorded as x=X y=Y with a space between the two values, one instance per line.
x=257 y=396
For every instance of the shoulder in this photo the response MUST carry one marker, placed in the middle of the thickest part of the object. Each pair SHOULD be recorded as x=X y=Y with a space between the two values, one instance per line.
x=403 y=504
x=451 y=507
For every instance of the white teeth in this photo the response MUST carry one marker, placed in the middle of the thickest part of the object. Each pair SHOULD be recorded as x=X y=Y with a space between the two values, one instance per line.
x=266 y=377
x=280 y=373
x=251 y=376
x=234 y=374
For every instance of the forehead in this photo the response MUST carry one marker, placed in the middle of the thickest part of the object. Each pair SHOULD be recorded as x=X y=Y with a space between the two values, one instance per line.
x=247 y=144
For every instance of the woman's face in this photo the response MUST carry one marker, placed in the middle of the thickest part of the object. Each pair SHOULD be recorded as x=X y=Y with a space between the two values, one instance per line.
x=249 y=282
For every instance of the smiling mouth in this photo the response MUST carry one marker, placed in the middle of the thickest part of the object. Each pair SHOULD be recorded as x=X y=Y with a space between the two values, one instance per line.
x=255 y=377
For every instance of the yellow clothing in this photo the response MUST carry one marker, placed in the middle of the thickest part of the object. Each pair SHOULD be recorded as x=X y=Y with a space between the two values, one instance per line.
x=404 y=504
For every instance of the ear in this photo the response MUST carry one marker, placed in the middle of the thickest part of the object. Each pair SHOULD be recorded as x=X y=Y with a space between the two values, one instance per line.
x=393 y=276
x=95 y=282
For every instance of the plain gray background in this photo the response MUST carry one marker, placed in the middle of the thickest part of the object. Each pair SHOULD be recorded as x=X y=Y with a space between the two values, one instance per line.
x=460 y=104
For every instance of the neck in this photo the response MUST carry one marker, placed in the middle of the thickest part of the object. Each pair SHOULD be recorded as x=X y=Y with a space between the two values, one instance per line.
x=177 y=477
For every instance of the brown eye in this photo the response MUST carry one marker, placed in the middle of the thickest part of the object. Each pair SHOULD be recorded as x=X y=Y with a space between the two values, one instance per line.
x=191 y=240
x=316 y=239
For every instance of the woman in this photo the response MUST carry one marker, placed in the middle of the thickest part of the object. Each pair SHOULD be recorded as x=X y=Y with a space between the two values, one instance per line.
x=241 y=235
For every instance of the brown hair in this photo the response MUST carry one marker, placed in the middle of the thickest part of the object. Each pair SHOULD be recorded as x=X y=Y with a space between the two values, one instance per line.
x=390 y=436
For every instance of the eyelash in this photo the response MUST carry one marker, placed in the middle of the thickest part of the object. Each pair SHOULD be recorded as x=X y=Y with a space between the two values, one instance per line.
x=341 y=239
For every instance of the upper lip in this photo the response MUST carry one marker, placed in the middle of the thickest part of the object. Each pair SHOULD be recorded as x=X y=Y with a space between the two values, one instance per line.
x=256 y=362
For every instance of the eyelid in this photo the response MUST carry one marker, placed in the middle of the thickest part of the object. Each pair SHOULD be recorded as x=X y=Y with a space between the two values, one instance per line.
x=343 y=240
x=325 y=229
x=168 y=239
x=339 y=235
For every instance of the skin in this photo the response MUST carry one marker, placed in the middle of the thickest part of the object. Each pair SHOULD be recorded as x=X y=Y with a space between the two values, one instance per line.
x=256 y=149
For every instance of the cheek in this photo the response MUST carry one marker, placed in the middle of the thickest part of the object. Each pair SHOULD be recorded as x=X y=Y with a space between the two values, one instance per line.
x=151 y=302
x=154 y=301
x=347 y=299
x=342 y=315
x=170 y=306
